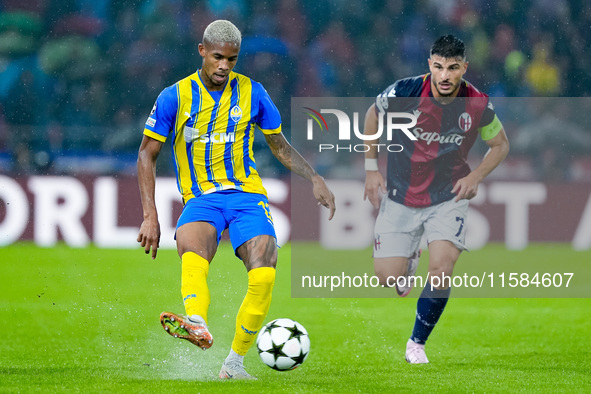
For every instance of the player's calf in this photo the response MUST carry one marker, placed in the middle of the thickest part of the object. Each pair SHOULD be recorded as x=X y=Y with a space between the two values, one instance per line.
x=389 y=269
x=406 y=283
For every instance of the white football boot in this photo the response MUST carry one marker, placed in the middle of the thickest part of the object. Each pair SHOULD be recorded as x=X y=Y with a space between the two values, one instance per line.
x=415 y=353
x=234 y=370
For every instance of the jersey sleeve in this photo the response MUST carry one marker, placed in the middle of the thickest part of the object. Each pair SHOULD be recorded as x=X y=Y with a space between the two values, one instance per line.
x=268 y=118
x=408 y=88
x=161 y=120
x=490 y=125
x=382 y=101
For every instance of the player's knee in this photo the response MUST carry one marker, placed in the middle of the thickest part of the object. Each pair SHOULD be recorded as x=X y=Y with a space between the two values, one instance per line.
x=261 y=252
x=441 y=272
x=269 y=253
x=386 y=279
x=441 y=266
x=388 y=272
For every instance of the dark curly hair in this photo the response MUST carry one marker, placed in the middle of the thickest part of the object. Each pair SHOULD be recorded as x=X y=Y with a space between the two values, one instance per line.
x=449 y=47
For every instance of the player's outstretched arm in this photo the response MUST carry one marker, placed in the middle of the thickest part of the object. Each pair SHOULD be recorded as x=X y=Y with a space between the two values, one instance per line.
x=293 y=160
x=374 y=181
x=467 y=187
x=149 y=235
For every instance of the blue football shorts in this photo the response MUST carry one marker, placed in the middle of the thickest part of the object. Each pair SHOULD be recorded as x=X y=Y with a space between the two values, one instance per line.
x=245 y=215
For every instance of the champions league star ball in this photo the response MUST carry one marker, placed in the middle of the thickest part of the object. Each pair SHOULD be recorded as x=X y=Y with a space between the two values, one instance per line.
x=283 y=344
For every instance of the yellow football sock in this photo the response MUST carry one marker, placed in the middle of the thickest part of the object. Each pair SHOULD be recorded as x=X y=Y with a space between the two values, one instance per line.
x=254 y=308
x=194 y=284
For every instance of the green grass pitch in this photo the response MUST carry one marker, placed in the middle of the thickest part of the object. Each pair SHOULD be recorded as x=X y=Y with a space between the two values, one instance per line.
x=87 y=320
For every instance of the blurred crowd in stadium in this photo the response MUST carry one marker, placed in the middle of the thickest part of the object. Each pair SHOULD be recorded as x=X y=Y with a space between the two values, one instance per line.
x=79 y=77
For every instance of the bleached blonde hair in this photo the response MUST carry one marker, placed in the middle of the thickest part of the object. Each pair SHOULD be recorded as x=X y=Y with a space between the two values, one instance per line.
x=222 y=31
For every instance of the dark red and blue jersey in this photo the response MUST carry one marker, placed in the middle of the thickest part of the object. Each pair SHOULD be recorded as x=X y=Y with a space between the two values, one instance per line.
x=425 y=171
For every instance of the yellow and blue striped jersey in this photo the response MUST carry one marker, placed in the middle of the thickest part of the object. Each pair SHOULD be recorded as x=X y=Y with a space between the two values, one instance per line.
x=213 y=132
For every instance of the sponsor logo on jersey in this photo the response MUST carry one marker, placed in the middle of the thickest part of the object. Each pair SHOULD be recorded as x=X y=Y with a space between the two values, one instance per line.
x=192 y=135
x=153 y=109
x=429 y=137
x=151 y=122
x=236 y=113
x=221 y=138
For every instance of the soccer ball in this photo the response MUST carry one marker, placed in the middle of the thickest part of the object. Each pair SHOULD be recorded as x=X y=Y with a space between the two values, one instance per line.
x=283 y=344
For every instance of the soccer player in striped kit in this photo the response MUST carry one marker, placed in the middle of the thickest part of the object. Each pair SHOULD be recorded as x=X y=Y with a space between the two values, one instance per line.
x=429 y=182
x=210 y=118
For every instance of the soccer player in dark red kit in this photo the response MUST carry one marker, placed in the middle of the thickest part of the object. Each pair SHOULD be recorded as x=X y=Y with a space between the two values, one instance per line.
x=429 y=181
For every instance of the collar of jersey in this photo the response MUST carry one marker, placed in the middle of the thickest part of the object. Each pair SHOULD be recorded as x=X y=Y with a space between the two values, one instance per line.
x=202 y=85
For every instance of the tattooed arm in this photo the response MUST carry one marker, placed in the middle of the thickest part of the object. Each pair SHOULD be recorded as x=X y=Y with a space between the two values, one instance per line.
x=293 y=161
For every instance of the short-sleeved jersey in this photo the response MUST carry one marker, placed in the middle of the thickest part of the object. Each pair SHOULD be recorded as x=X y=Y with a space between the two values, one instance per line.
x=212 y=133
x=424 y=172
